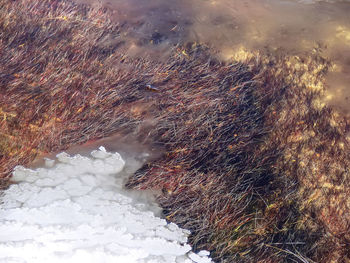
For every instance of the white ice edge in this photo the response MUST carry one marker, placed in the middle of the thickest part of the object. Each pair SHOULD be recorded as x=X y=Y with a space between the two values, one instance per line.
x=75 y=210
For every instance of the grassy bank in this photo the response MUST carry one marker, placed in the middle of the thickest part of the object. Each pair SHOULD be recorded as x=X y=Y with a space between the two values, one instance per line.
x=254 y=164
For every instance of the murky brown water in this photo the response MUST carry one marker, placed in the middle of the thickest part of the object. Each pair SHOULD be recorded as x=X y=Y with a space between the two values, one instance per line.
x=291 y=26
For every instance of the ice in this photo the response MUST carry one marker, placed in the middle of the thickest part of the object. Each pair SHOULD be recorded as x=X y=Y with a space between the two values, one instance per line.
x=76 y=210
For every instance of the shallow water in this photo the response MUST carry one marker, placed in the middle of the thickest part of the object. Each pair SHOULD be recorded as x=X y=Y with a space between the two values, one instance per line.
x=289 y=26
x=135 y=153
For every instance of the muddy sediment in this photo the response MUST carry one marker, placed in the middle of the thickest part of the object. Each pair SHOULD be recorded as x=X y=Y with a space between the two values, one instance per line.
x=252 y=160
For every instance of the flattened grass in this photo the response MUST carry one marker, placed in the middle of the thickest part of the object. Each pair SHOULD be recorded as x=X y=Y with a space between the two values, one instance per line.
x=254 y=164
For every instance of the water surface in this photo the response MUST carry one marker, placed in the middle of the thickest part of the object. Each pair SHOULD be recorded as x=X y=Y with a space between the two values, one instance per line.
x=289 y=26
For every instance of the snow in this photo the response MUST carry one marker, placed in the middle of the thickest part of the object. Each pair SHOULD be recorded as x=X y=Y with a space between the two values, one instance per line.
x=75 y=210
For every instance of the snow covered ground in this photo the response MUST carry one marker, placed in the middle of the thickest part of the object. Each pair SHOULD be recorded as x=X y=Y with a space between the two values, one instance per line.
x=75 y=210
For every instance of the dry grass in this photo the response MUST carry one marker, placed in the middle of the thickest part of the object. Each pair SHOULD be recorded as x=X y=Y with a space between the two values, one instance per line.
x=254 y=165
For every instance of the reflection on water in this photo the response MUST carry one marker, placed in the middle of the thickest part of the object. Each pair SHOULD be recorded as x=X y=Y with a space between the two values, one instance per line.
x=227 y=25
